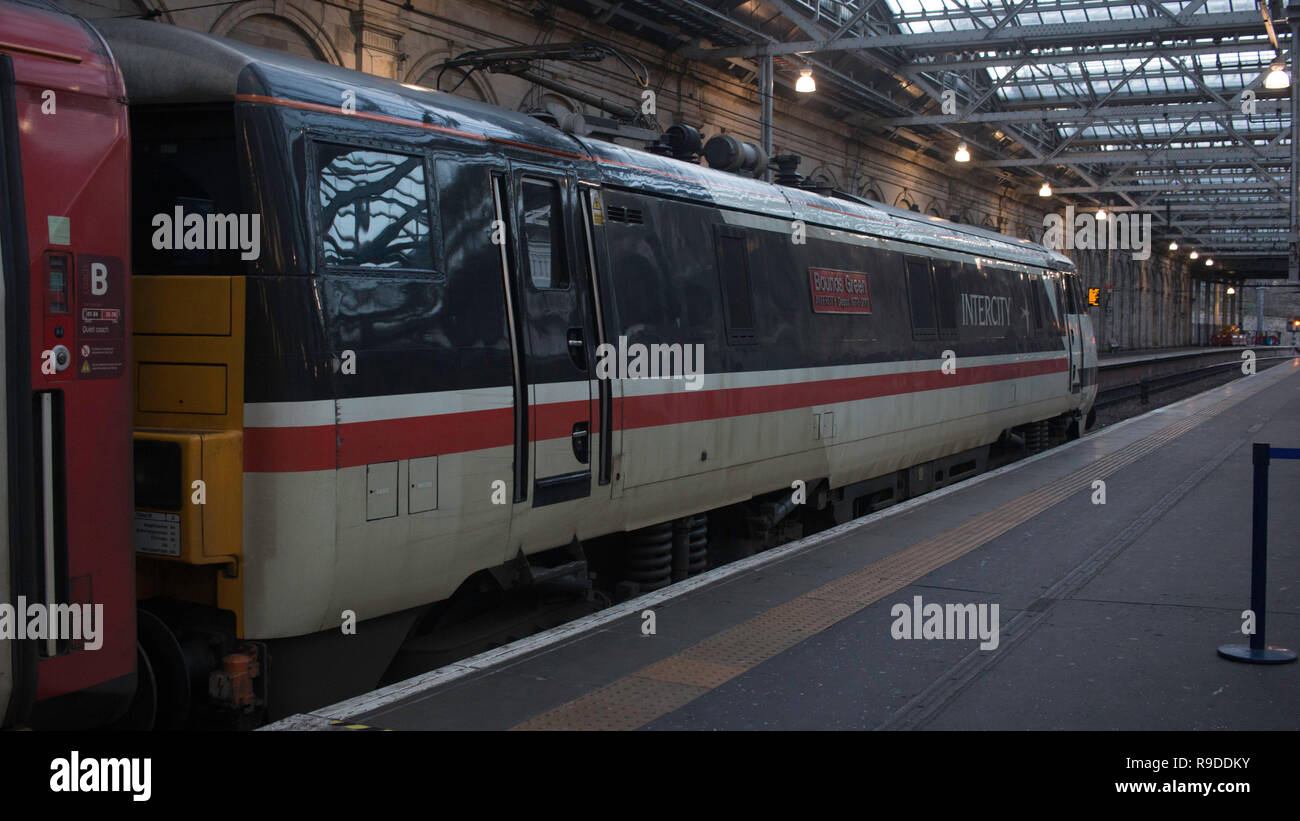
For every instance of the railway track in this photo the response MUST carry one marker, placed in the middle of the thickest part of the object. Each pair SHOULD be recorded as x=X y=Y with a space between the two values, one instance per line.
x=1139 y=376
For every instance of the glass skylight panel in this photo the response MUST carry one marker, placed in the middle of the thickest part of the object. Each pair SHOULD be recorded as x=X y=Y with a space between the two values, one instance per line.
x=1078 y=74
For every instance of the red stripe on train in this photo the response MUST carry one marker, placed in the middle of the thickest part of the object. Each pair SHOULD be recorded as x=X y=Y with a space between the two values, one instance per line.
x=696 y=406
x=291 y=449
x=283 y=450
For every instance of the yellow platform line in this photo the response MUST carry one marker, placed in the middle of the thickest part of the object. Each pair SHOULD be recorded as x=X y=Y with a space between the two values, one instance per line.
x=352 y=725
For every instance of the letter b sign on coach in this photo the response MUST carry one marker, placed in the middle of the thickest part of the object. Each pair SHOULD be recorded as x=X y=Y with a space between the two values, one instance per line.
x=98 y=279
x=100 y=350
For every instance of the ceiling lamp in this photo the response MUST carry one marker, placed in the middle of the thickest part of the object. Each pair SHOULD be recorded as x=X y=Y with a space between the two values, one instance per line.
x=805 y=84
x=1045 y=191
x=1277 y=76
x=1208 y=262
x=1195 y=255
x=1101 y=213
x=962 y=155
x=1173 y=246
x=1231 y=290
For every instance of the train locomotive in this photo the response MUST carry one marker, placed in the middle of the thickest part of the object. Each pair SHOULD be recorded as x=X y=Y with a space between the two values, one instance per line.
x=367 y=319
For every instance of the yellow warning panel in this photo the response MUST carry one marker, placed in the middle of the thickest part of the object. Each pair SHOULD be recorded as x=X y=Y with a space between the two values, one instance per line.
x=187 y=347
x=182 y=305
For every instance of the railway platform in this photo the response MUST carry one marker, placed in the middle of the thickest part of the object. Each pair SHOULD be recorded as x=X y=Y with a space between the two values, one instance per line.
x=1110 y=608
x=1132 y=357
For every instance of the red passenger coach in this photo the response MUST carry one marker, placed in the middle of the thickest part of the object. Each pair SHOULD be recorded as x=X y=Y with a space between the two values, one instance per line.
x=65 y=479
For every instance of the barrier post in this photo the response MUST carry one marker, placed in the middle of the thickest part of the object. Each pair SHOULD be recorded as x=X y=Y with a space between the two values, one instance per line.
x=1259 y=652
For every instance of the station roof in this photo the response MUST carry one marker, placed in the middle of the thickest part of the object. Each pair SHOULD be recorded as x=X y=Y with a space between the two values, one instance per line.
x=1157 y=106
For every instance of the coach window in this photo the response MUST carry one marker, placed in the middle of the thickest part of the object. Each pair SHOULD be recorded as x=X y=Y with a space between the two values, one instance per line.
x=733 y=269
x=945 y=297
x=544 y=235
x=374 y=209
x=920 y=294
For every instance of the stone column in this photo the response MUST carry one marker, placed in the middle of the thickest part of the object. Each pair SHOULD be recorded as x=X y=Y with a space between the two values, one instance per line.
x=378 y=33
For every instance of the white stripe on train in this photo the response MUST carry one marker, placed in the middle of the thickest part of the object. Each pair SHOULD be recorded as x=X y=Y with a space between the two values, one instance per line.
x=414 y=405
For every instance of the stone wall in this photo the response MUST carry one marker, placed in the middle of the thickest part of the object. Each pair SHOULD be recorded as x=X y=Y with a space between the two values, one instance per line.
x=1281 y=305
x=1151 y=303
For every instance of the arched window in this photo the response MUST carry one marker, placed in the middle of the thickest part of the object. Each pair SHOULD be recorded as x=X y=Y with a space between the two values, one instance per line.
x=102 y=9
x=275 y=33
x=458 y=82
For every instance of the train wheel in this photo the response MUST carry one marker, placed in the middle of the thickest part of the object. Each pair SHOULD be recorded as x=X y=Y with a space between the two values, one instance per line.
x=170 y=683
x=144 y=705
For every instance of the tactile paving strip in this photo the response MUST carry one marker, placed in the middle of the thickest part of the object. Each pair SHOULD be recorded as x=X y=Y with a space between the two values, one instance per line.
x=626 y=704
x=669 y=684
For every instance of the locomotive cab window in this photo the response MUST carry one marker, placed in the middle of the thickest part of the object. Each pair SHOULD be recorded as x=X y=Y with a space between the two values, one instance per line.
x=733 y=270
x=374 y=209
x=184 y=163
x=1033 y=289
x=544 y=234
x=1071 y=283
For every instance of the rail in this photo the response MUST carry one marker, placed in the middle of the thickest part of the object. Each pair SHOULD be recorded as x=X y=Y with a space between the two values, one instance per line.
x=1125 y=377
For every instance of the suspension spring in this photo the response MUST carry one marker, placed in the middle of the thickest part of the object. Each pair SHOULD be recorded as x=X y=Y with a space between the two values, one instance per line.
x=648 y=557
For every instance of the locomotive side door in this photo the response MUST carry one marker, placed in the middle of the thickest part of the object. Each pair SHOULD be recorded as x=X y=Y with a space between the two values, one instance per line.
x=1073 y=330
x=558 y=344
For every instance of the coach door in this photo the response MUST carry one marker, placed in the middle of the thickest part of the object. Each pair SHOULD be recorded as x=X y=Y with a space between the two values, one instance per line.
x=17 y=658
x=7 y=647
x=557 y=342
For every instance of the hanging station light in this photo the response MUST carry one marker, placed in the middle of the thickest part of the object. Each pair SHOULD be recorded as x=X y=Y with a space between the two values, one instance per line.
x=1277 y=76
